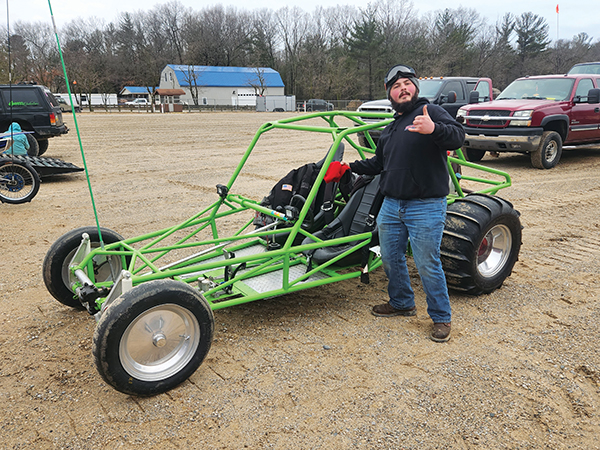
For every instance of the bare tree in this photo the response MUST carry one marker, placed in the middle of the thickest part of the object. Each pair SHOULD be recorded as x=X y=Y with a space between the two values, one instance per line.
x=335 y=53
x=171 y=16
x=86 y=56
x=43 y=63
x=568 y=53
x=293 y=25
x=258 y=81
x=264 y=38
x=192 y=75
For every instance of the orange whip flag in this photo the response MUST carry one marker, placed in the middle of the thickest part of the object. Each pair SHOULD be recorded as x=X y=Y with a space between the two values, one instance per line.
x=556 y=9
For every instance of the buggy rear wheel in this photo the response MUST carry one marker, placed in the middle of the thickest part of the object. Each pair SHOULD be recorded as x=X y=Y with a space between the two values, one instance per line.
x=153 y=337
x=481 y=243
x=19 y=182
x=56 y=273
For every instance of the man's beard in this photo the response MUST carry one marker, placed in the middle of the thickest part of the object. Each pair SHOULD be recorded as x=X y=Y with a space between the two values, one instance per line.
x=403 y=107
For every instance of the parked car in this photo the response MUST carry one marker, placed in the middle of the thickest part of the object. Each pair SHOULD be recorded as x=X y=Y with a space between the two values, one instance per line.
x=36 y=109
x=585 y=68
x=449 y=92
x=317 y=105
x=65 y=106
x=536 y=116
x=138 y=102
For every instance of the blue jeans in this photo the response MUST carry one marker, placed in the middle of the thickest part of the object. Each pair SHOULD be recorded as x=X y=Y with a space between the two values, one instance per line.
x=421 y=220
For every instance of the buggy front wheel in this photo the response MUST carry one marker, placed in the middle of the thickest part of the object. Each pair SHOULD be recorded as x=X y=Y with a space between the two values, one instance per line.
x=153 y=337
x=481 y=243
x=55 y=268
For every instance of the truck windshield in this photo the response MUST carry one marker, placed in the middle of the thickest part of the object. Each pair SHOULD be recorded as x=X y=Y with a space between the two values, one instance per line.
x=557 y=89
x=429 y=88
x=593 y=68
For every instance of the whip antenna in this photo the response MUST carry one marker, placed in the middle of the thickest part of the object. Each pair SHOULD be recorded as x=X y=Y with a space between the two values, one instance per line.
x=87 y=176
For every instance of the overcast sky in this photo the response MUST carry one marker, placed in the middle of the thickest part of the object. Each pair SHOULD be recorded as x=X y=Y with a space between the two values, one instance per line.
x=574 y=17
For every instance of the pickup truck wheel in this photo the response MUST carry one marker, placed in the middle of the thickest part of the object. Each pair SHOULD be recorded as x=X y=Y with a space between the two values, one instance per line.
x=34 y=147
x=362 y=140
x=548 y=153
x=481 y=243
x=43 y=146
x=474 y=155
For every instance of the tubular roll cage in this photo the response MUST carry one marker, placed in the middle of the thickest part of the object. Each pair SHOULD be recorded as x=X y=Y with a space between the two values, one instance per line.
x=222 y=276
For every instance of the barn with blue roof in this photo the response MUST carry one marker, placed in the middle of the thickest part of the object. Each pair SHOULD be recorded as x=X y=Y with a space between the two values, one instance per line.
x=214 y=85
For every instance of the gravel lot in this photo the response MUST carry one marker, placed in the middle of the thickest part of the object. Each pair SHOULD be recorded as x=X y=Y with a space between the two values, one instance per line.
x=313 y=370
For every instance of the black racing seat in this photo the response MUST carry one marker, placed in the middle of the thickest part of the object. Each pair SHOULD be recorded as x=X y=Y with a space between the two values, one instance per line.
x=352 y=220
x=318 y=216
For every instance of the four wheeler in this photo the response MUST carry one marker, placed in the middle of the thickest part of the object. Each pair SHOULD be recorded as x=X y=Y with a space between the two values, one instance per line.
x=153 y=295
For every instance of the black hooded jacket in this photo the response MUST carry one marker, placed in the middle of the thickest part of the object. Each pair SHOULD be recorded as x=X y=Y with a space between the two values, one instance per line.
x=414 y=165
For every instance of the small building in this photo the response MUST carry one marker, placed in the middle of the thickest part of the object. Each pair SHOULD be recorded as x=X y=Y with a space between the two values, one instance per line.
x=129 y=93
x=169 y=95
x=212 y=85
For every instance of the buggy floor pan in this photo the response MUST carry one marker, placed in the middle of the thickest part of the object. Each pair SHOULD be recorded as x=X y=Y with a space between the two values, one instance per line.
x=266 y=282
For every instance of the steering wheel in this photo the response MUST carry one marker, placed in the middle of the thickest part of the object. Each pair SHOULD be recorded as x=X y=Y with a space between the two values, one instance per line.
x=297 y=201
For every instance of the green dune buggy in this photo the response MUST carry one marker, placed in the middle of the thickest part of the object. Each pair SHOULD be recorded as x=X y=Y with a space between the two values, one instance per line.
x=153 y=296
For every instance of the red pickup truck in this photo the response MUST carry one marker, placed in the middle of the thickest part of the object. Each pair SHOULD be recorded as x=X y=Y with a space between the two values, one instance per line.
x=535 y=115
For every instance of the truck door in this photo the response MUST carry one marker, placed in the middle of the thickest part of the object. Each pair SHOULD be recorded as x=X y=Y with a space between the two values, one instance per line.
x=585 y=117
x=456 y=86
x=484 y=89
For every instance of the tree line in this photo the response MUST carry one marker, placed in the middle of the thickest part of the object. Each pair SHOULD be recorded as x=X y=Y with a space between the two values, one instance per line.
x=333 y=53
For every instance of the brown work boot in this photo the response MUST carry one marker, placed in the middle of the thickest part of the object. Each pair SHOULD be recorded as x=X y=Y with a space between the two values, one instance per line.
x=441 y=332
x=387 y=310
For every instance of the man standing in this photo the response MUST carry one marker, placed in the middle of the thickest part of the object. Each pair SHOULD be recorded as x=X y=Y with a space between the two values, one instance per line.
x=411 y=157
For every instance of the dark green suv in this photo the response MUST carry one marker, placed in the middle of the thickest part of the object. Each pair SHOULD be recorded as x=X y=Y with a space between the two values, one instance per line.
x=35 y=109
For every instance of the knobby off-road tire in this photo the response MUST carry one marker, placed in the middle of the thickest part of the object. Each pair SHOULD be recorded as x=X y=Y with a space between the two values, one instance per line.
x=55 y=268
x=481 y=243
x=19 y=182
x=547 y=155
x=34 y=147
x=153 y=337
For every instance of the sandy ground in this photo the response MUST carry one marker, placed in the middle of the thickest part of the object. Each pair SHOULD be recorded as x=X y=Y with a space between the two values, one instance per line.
x=313 y=370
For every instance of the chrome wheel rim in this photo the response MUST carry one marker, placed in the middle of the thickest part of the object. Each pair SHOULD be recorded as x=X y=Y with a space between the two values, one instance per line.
x=159 y=343
x=551 y=151
x=494 y=250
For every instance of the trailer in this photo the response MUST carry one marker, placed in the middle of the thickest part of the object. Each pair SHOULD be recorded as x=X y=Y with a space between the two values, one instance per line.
x=277 y=103
x=96 y=99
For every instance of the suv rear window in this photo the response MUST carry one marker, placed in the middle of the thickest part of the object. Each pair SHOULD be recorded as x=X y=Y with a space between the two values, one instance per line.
x=21 y=98
x=51 y=98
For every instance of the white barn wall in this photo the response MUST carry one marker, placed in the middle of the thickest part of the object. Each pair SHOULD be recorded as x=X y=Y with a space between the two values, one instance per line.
x=215 y=95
